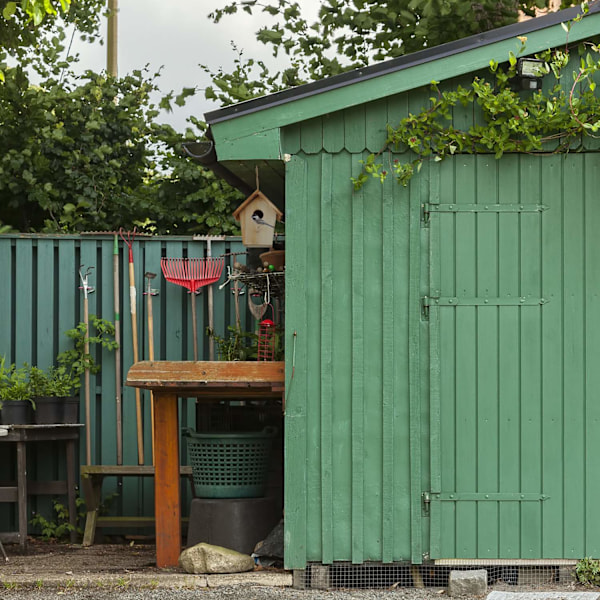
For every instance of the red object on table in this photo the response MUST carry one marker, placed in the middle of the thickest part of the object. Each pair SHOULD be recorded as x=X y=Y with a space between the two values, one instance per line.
x=168 y=380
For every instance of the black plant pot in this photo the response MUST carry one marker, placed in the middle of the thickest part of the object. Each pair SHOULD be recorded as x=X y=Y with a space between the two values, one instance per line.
x=16 y=412
x=71 y=409
x=56 y=409
x=48 y=409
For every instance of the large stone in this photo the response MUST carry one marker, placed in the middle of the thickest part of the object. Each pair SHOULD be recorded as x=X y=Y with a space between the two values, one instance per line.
x=467 y=583
x=205 y=558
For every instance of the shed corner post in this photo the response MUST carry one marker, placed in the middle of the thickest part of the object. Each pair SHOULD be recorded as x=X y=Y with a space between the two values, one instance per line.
x=295 y=467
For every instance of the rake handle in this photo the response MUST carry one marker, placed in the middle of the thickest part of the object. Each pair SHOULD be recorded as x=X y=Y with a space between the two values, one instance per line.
x=134 y=336
x=194 y=326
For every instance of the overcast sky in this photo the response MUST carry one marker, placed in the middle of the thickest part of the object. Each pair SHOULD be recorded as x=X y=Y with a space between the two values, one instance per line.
x=177 y=35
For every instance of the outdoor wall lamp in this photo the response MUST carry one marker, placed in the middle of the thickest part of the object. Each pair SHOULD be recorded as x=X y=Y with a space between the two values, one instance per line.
x=530 y=72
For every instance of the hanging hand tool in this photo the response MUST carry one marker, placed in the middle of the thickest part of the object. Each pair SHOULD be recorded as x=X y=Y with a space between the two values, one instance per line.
x=86 y=350
x=134 y=334
x=149 y=293
x=193 y=273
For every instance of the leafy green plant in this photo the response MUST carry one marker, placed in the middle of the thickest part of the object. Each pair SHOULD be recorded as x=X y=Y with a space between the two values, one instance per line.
x=510 y=121
x=39 y=381
x=58 y=528
x=587 y=571
x=235 y=344
x=243 y=345
x=73 y=363
x=14 y=383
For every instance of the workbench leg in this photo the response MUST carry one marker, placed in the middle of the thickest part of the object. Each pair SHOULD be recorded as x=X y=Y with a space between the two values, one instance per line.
x=22 y=491
x=91 y=486
x=70 y=448
x=166 y=480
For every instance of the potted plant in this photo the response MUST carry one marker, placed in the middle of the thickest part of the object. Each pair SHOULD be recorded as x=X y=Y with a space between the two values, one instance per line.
x=65 y=378
x=15 y=395
x=56 y=391
x=52 y=391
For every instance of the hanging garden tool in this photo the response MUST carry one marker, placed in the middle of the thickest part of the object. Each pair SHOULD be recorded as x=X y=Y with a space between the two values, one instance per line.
x=149 y=293
x=87 y=289
x=128 y=239
x=116 y=305
x=193 y=273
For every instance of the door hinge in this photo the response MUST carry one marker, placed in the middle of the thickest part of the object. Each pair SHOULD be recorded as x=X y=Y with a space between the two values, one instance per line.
x=426 y=302
x=425 y=214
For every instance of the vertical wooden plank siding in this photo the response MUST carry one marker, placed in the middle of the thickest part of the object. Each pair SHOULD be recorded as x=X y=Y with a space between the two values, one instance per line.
x=360 y=447
x=341 y=245
x=411 y=471
x=574 y=357
x=487 y=363
x=530 y=415
x=466 y=357
x=6 y=297
x=435 y=408
x=358 y=370
x=508 y=359
x=390 y=458
x=309 y=330
x=23 y=279
x=296 y=432
x=41 y=295
x=326 y=359
x=552 y=359
x=591 y=177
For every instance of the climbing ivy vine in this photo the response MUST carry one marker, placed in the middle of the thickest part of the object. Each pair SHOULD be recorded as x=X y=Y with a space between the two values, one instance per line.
x=549 y=120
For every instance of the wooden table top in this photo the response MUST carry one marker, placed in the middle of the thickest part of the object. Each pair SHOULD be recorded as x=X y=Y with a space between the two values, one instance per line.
x=220 y=378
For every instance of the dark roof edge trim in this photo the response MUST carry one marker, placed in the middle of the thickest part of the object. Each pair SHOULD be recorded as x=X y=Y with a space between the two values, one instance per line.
x=396 y=64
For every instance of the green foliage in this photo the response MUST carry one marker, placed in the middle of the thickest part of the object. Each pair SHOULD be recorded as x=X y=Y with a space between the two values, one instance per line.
x=236 y=344
x=508 y=120
x=14 y=383
x=86 y=155
x=85 y=152
x=243 y=345
x=72 y=363
x=58 y=528
x=350 y=34
x=587 y=571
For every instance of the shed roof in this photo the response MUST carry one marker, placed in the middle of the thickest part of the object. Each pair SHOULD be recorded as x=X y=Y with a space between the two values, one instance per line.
x=248 y=134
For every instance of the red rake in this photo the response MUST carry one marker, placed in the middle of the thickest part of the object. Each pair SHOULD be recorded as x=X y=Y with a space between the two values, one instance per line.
x=193 y=273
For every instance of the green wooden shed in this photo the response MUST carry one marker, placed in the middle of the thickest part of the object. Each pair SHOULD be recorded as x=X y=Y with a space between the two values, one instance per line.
x=442 y=339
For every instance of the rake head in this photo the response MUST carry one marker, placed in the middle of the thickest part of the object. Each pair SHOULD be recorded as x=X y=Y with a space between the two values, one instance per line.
x=192 y=273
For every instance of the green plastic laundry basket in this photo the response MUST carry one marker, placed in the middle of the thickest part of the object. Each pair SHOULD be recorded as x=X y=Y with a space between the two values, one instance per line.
x=230 y=465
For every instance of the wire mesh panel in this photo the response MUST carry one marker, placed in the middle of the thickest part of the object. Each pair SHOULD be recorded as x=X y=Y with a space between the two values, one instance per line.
x=509 y=577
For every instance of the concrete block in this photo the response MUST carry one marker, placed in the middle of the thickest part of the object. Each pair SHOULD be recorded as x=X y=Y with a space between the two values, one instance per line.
x=319 y=577
x=467 y=583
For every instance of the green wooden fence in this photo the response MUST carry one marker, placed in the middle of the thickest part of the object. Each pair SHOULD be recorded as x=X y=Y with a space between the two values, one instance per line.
x=40 y=299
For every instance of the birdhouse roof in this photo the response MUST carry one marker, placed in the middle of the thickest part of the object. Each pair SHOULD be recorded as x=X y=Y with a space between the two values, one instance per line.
x=257 y=194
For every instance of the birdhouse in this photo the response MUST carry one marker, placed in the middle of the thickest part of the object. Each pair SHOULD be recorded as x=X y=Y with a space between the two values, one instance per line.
x=257 y=216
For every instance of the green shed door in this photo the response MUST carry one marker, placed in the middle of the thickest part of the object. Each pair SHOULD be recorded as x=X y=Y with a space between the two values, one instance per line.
x=513 y=318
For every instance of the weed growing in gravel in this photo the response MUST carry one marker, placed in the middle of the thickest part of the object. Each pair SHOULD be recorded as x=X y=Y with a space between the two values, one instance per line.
x=122 y=583
x=10 y=585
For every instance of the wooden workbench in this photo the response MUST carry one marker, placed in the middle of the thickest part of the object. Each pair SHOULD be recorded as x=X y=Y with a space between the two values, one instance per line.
x=168 y=380
x=22 y=436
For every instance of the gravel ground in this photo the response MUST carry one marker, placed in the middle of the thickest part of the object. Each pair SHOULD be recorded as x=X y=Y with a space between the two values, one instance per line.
x=240 y=592
x=128 y=571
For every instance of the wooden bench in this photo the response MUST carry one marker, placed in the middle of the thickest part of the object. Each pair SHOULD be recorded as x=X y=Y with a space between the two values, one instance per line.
x=92 y=477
